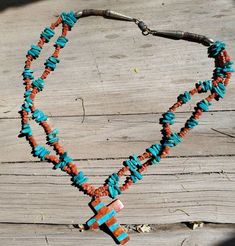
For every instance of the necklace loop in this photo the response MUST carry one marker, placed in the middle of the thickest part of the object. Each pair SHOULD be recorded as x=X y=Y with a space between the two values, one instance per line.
x=135 y=165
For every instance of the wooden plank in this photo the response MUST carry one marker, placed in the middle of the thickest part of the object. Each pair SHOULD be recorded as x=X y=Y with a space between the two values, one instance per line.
x=122 y=135
x=203 y=190
x=98 y=64
x=209 y=235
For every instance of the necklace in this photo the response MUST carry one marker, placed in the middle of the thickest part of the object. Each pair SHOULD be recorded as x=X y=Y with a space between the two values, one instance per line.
x=135 y=165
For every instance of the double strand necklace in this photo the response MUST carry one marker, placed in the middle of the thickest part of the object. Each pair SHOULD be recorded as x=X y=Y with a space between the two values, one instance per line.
x=135 y=165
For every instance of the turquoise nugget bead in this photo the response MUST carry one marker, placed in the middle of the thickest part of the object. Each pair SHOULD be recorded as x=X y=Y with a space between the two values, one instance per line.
x=204 y=105
x=134 y=178
x=28 y=101
x=27 y=104
x=48 y=33
x=52 y=136
x=64 y=160
x=133 y=162
x=69 y=18
x=191 y=123
x=113 y=179
x=168 y=117
x=137 y=174
x=155 y=149
x=34 y=51
x=114 y=191
x=26 y=108
x=184 y=97
x=173 y=140
x=215 y=48
x=113 y=185
x=61 y=41
x=39 y=116
x=41 y=152
x=205 y=85
x=38 y=83
x=219 y=90
x=51 y=62
x=79 y=179
x=26 y=130
x=28 y=73
x=27 y=93
x=156 y=160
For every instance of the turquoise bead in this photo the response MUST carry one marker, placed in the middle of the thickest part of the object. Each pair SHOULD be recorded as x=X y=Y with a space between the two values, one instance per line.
x=205 y=85
x=156 y=160
x=113 y=179
x=112 y=182
x=134 y=178
x=79 y=179
x=38 y=83
x=39 y=116
x=173 y=140
x=155 y=149
x=27 y=102
x=64 y=160
x=133 y=162
x=48 y=33
x=204 y=105
x=168 y=117
x=69 y=18
x=25 y=108
x=26 y=130
x=191 y=123
x=41 y=152
x=137 y=174
x=27 y=93
x=134 y=159
x=51 y=62
x=215 y=49
x=28 y=74
x=52 y=136
x=114 y=191
x=221 y=71
x=61 y=41
x=34 y=51
x=184 y=97
x=219 y=90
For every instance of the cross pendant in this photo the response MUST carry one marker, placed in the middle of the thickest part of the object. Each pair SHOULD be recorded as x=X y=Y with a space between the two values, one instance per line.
x=106 y=215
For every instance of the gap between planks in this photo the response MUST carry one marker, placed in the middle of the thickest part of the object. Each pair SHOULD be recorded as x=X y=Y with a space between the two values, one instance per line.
x=167 y=235
x=119 y=114
x=122 y=158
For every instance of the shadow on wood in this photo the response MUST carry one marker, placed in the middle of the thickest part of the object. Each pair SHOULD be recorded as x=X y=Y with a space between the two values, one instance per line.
x=15 y=3
x=229 y=242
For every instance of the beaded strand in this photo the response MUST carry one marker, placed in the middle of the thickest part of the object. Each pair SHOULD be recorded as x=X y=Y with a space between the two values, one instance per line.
x=134 y=165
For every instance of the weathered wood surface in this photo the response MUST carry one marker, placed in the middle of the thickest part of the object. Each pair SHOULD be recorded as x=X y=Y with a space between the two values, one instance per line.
x=122 y=135
x=98 y=64
x=210 y=235
x=125 y=81
x=181 y=189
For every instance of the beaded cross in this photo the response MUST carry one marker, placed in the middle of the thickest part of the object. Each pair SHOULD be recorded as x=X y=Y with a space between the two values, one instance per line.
x=135 y=165
x=106 y=215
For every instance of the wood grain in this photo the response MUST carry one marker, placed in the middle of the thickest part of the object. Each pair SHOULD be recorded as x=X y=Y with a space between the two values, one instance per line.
x=122 y=135
x=210 y=235
x=100 y=60
x=125 y=82
x=181 y=189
